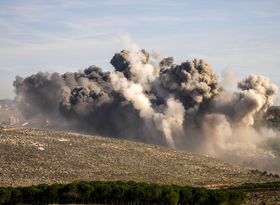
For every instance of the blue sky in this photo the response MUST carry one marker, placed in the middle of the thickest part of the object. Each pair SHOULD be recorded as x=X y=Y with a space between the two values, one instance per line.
x=68 y=35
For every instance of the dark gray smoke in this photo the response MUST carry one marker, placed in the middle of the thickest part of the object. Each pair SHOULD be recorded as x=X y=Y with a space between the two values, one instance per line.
x=83 y=101
x=156 y=101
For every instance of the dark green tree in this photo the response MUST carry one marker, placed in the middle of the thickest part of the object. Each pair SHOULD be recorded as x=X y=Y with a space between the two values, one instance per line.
x=5 y=195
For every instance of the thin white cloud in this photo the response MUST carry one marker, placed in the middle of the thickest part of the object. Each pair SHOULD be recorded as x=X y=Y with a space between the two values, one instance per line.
x=10 y=68
x=69 y=4
x=28 y=12
x=155 y=4
x=38 y=11
x=98 y=24
x=175 y=19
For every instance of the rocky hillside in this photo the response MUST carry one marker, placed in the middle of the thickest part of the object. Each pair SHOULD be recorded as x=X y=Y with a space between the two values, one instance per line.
x=31 y=156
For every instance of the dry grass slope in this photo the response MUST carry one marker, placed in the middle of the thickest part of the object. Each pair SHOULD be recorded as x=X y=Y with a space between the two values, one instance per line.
x=31 y=156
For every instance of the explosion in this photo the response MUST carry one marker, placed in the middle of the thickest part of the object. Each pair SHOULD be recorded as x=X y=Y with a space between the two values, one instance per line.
x=152 y=100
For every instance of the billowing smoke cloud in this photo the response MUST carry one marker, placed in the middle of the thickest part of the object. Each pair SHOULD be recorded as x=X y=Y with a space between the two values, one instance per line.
x=148 y=98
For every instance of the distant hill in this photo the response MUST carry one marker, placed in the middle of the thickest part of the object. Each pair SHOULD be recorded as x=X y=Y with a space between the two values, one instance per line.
x=32 y=156
x=272 y=117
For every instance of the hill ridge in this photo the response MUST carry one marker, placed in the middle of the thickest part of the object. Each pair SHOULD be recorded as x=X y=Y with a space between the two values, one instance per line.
x=32 y=156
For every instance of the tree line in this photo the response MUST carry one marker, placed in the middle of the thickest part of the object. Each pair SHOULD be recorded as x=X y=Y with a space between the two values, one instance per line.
x=250 y=186
x=117 y=192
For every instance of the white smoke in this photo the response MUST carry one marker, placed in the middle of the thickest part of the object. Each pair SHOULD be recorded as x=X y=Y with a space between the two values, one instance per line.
x=173 y=115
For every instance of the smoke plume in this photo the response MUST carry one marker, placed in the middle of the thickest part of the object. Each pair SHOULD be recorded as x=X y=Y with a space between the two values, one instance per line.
x=150 y=99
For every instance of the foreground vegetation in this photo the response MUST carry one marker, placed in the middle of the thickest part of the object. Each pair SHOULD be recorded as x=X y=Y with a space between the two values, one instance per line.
x=117 y=192
x=120 y=192
x=251 y=186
